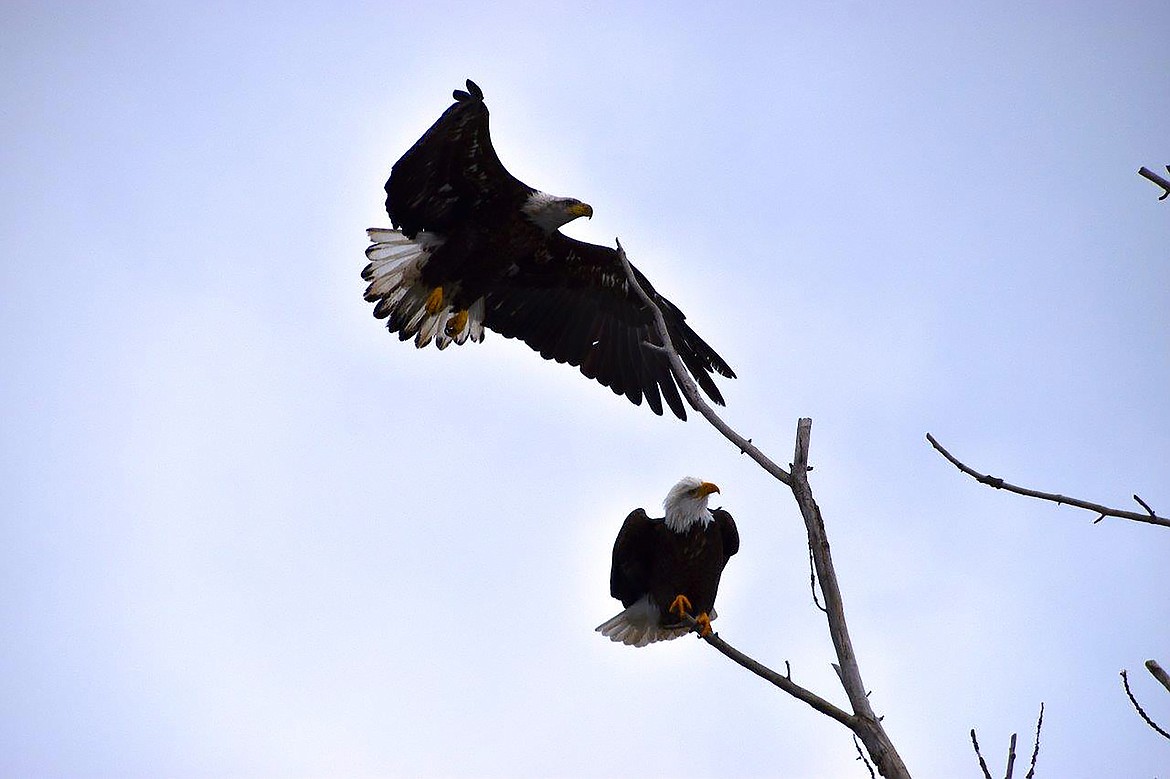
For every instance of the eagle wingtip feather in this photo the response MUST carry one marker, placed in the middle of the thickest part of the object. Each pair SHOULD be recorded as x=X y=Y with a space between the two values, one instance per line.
x=473 y=93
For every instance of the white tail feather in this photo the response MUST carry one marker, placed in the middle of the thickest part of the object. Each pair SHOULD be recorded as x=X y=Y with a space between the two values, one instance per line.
x=475 y=321
x=638 y=625
x=384 y=234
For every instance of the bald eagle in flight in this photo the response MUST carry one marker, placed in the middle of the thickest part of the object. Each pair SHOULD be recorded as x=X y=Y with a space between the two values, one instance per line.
x=473 y=248
x=666 y=566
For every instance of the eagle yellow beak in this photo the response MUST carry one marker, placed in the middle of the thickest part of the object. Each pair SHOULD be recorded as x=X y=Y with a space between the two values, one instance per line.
x=706 y=488
x=580 y=209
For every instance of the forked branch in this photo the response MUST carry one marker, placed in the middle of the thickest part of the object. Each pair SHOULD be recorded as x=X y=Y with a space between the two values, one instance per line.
x=1103 y=511
x=1011 y=759
x=863 y=722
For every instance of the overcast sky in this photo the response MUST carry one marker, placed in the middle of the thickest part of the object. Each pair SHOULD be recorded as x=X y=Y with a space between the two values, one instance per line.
x=246 y=532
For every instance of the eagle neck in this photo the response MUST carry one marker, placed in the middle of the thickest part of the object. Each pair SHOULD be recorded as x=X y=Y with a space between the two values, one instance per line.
x=682 y=518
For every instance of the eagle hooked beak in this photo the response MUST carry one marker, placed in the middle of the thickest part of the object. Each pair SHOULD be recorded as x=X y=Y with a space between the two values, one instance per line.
x=580 y=209
x=705 y=489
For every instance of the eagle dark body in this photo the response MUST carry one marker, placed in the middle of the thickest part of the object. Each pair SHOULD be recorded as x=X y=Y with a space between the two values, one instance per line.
x=567 y=299
x=650 y=558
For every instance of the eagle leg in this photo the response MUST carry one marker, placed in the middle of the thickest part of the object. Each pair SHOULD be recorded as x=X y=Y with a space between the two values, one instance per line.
x=456 y=323
x=434 y=301
x=704 y=623
x=681 y=605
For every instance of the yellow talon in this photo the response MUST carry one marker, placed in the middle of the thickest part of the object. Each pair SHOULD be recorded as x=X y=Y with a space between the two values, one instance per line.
x=681 y=605
x=434 y=301
x=456 y=323
x=704 y=623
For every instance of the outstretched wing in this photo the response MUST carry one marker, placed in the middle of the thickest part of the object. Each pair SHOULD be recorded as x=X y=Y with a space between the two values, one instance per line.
x=450 y=171
x=633 y=554
x=574 y=304
x=728 y=531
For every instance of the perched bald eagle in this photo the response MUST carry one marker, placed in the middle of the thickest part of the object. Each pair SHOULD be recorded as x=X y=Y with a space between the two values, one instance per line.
x=666 y=566
x=475 y=248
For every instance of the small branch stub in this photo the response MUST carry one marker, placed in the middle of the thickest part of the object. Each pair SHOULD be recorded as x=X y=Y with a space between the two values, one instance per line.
x=1154 y=177
x=1159 y=673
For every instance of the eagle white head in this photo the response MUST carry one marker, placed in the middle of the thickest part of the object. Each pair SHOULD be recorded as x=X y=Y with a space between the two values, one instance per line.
x=549 y=212
x=686 y=504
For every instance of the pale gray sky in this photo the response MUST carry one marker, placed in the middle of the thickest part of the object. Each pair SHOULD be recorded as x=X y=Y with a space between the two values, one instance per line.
x=246 y=532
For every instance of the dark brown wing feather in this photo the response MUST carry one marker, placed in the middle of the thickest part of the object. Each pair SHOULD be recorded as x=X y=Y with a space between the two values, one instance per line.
x=573 y=304
x=451 y=171
x=633 y=557
x=728 y=530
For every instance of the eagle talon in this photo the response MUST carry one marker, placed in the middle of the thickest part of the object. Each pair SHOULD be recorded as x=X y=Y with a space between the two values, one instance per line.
x=456 y=323
x=681 y=605
x=703 y=622
x=434 y=301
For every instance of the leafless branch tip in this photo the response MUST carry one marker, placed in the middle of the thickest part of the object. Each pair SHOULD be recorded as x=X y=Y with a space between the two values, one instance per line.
x=1036 y=746
x=978 y=754
x=1138 y=706
x=1159 y=673
x=1104 y=511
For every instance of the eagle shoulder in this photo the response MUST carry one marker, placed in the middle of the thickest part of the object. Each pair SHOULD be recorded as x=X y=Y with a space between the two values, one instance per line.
x=633 y=552
x=728 y=531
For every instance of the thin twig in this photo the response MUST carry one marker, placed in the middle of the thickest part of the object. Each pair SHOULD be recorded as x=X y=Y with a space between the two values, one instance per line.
x=1154 y=177
x=978 y=754
x=1138 y=706
x=687 y=384
x=1159 y=673
x=861 y=757
x=812 y=579
x=1000 y=484
x=1036 y=747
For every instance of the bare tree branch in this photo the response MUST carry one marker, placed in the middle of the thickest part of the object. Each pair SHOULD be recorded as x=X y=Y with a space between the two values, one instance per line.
x=1154 y=177
x=1011 y=758
x=999 y=484
x=1011 y=765
x=783 y=681
x=863 y=722
x=1159 y=673
x=978 y=754
x=869 y=729
x=688 y=384
x=1036 y=747
x=1138 y=706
